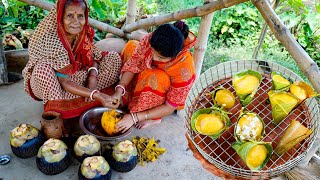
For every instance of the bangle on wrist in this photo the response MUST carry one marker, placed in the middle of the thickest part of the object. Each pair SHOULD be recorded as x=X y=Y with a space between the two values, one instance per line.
x=92 y=75
x=92 y=93
x=133 y=119
x=137 y=117
x=123 y=89
x=94 y=69
x=146 y=115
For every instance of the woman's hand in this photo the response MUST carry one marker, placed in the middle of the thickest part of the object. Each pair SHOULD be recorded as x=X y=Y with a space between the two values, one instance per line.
x=124 y=124
x=106 y=100
x=117 y=95
x=91 y=84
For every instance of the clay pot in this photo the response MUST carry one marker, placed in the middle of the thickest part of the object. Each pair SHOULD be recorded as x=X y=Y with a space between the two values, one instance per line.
x=52 y=125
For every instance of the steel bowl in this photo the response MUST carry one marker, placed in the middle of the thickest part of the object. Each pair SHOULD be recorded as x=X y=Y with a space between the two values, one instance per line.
x=90 y=123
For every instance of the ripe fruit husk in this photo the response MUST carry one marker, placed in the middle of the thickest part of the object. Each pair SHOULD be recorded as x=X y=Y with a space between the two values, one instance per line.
x=246 y=84
x=279 y=82
x=218 y=116
x=295 y=133
x=262 y=156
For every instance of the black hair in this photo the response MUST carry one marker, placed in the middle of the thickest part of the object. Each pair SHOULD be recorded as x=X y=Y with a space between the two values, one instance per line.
x=183 y=27
x=168 y=39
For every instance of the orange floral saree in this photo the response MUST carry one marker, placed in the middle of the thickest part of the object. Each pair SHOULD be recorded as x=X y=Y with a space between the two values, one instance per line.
x=157 y=83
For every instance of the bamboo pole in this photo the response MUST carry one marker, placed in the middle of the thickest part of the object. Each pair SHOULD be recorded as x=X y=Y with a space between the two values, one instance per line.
x=94 y=23
x=182 y=14
x=306 y=64
x=275 y=4
x=131 y=11
x=202 y=40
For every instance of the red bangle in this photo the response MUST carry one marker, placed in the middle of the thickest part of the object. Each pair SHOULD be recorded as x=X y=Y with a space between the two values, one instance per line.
x=93 y=75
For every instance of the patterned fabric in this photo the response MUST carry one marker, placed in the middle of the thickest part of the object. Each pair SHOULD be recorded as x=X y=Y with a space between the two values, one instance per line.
x=50 y=51
x=180 y=70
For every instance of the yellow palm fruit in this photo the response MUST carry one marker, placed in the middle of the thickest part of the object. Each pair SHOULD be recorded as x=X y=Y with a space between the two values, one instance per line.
x=256 y=156
x=108 y=121
x=225 y=98
x=246 y=84
x=209 y=123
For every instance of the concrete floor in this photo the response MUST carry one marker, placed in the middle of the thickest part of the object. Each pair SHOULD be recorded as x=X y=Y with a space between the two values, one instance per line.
x=177 y=163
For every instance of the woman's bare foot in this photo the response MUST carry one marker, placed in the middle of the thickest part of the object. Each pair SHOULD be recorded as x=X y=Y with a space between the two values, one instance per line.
x=147 y=123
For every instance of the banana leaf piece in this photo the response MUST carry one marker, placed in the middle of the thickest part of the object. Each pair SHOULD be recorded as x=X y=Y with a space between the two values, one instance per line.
x=246 y=84
x=279 y=82
x=210 y=121
x=295 y=133
x=223 y=97
x=254 y=154
x=282 y=103
x=249 y=127
x=302 y=90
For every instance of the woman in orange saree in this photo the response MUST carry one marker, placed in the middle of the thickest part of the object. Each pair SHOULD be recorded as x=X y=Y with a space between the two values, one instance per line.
x=65 y=69
x=157 y=75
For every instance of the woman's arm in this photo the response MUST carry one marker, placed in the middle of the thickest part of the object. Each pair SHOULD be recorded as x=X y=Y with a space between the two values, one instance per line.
x=69 y=86
x=125 y=80
x=157 y=112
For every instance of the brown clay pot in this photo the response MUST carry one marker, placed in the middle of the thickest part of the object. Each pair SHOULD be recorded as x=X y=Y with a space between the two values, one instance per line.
x=52 y=125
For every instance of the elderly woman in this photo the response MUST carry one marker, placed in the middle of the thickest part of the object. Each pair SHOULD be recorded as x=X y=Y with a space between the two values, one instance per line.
x=157 y=75
x=65 y=69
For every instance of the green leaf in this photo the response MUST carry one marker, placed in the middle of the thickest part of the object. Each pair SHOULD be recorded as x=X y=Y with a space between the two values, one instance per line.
x=102 y=14
x=224 y=29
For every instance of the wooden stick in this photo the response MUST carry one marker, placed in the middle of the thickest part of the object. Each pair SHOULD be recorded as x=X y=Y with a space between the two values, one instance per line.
x=3 y=66
x=202 y=40
x=94 y=23
x=182 y=14
x=306 y=64
x=131 y=11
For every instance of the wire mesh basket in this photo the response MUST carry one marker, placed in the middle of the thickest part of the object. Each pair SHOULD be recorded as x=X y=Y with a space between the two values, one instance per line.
x=219 y=153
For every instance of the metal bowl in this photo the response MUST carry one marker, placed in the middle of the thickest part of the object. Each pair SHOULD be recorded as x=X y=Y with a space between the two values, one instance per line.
x=90 y=123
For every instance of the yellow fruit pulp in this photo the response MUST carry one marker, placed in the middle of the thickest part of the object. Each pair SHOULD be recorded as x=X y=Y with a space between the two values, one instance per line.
x=108 y=121
x=256 y=156
x=246 y=84
x=209 y=124
x=245 y=120
x=226 y=98
x=298 y=91
x=280 y=79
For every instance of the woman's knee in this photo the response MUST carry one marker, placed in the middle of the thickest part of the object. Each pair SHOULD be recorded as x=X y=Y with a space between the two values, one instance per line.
x=43 y=70
x=156 y=76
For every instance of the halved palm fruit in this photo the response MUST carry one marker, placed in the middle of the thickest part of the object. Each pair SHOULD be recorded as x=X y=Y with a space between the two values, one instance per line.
x=246 y=84
x=295 y=133
x=302 y=90
x=223 y=97
x=282 y=103
x=254 y=154
x=249 y=127
x=210 y=121
x=279 y=82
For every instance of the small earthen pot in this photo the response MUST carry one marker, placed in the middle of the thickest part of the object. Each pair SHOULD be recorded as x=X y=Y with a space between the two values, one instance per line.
x=52 y=125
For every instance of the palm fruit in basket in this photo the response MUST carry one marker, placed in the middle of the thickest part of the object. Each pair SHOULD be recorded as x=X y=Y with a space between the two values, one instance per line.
x=279 y=82
x=53 y=157
x=109 y=120
x=295 y=133
x=123 y=156
x=210 y=121
x=94 y=168
x=254 y=154
x=281 y=103
x=249 y=127
x=85 y=146
x=246 y=84
x=301 y=90
x=223 y=97
x=25 y=140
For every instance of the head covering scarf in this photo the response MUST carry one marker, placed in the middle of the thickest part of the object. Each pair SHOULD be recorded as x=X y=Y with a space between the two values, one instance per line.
x=50 y=45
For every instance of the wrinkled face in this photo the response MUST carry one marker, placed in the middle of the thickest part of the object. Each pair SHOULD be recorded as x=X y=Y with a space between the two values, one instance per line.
x=158 y=57
x=74 y=19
